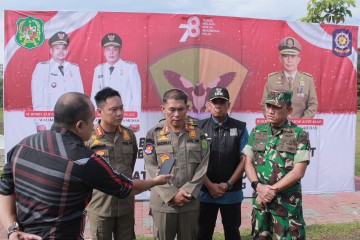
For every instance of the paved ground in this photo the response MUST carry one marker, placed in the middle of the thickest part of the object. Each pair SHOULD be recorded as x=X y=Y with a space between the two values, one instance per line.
x=318 y=209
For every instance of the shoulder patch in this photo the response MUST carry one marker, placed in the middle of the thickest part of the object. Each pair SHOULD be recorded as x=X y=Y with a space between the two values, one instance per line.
x=149 y=148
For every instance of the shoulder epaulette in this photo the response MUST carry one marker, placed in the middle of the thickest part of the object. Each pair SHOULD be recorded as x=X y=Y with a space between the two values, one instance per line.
x=262 y=127
x=129 y=62
x=191 y=120
x=273 y=73
x=307 y=74
x=125 y=127
x=45 y=62
x=74 y=64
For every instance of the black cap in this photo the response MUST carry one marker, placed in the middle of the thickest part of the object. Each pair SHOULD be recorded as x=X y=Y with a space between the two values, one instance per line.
x=219 y=92
x=59 y=38
x=111 y=39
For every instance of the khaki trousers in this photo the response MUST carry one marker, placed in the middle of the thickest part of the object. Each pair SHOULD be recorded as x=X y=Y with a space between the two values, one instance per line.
x=168 y=225
x=107 y=228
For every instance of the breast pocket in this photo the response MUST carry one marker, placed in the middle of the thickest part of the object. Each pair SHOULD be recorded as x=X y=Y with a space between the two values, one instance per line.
x=164 y=153
x=287 y=148
x=128 y=152
x=194 y=157
x=258 y=148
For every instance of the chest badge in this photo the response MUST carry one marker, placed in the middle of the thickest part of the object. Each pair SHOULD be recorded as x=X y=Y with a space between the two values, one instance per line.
x=233 y=132
x=192 y=133
x=53 y=84
x=163 y=138
x=164 y=157
x=100 y=152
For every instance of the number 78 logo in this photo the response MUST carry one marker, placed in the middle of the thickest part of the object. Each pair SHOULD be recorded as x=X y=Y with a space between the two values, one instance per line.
x=191 y=28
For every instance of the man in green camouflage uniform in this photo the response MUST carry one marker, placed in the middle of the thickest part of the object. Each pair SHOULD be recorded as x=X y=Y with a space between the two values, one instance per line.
x=277 y=155
x=175 y=206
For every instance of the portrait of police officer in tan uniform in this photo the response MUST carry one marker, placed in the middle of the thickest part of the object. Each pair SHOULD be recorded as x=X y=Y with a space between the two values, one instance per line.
x=304 y=99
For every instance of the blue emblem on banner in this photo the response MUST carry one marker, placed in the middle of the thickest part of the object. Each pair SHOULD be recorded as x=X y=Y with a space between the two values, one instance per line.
x=342 y=42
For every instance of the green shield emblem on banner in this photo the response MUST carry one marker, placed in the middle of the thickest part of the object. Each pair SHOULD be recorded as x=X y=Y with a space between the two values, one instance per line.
x=30 y=32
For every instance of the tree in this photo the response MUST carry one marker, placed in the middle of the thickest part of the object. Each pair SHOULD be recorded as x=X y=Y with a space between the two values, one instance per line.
x=328 y=11
x=332 y=11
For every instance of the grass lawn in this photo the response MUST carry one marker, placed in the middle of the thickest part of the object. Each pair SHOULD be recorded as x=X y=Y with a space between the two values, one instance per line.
x=344 y=231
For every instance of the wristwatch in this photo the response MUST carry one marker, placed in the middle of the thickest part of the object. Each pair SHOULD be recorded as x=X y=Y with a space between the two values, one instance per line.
x=13 y=228
x=230 y=186
x=254 y=184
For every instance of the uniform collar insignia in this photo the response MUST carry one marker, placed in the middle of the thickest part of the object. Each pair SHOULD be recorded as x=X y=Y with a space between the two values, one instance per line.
x=99 y=131
x=126 y=135
x=166 y=129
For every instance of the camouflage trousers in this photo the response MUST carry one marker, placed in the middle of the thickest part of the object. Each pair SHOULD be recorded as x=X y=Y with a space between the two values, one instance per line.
x=265 y=224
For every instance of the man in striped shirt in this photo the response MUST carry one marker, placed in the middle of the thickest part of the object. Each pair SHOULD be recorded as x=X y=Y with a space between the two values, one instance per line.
x=49 y=177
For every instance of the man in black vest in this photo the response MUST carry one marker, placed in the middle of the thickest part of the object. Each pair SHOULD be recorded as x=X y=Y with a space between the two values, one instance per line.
x=222 y=187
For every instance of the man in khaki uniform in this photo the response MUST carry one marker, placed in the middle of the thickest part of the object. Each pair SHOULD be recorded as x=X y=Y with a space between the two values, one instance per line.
x=304 y=99
x=111 y=217
x=175 y=206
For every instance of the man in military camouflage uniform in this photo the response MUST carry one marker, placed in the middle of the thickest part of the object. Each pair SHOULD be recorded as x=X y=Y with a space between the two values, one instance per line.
x=277 y=155
x=175 y=206
x=111 y=217
x=123 y=76
x=53 y=78
x=304 y=99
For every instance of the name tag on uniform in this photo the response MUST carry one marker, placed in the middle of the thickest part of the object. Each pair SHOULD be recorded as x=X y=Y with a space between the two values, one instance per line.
x=53 y=74
x=233 y=132
x=100 y=76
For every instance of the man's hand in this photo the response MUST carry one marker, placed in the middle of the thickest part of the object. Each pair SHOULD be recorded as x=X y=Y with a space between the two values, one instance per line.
x=24 y=236
x=40 y=128
x=217 y=190
x=180 y=199
x=259 y=200
x=266 y=192
x=162 y=179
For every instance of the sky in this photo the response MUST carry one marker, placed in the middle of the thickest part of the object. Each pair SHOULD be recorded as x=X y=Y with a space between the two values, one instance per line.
x=264 y=9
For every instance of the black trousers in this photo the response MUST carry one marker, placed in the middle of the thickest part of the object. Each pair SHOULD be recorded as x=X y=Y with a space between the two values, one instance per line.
x=231 y=220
